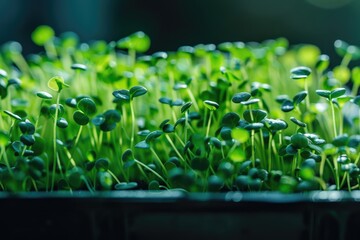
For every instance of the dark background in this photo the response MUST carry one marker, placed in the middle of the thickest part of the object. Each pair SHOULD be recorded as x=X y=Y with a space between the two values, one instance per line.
x=172 y=23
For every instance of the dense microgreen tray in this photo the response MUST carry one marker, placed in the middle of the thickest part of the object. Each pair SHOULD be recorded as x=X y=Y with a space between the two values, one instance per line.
x=207 y=118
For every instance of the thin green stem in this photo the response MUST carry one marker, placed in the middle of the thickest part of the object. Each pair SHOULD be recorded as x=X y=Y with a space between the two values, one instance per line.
x=50 y=49
x=236 y=144
x=78 y=135
x=346 y=178
x=205 y=116
x=59 y=165
x=158 y=160
x=333 y=117
x=253 y=147
x=154 y=172
x=113 y=175
x=38 y=118
x=209 y=123
x=173 y=114
x=269 y=152
x=11 y=128
x=348 y=182
x=101 y=136
x=337 y=177
x=54 y=141
x=186 y=126
x=293 y=165
x=171 y=83
x=175 y=149
x=222 y=152
x=19 y=60
x=132 y=124
x=346 y=60
x=34 y=184
x=355 y=89
x=1 y=118
x=6 y=160
x=262 y=144
x=92 y=140
x=357 y=159
x=322 y=166
x=87 y=184
x=298 y=158
x=179 y=139
x=307 y=99
x=321 y=182
x=251 y=113
x=132 y=57
x=341 y=123
x=193 y=99
x=71 y=159
x=142 y=172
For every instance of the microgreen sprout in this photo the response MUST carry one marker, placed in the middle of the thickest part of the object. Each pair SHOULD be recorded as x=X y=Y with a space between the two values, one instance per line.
x=302 y=73
x=212 y=106
x=56 y=84
x=202 y=118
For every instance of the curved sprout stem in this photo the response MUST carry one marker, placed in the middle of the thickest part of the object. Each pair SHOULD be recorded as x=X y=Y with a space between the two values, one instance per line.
x=154 y=172
x=113 y=175
x=158 y=160
x=209 y=124
x=176 y=151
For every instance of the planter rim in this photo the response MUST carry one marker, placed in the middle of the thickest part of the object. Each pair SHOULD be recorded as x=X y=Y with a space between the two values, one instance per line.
x=182 y=196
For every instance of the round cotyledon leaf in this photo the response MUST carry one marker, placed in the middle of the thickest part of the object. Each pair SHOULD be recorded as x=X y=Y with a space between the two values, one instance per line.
x=123 y=94
x=299 y=97
x=62 y=123
x=255 y=115
x=287 y=106
x=240 y=135
x=42 y=34
x=138 y=41
x=337 y=92
x=300 y=73
x=323 y=93
x=237 y=155
x=185 y=107
x=230 y=119
x=80 y=118
x=87 y=106
x=342 y=74
x=299 y=140
x=211 y=105
x=57 y=83
x=137 y=91
x=241 y=97
x=13 y=115
x=79 y=66
x=44 y=95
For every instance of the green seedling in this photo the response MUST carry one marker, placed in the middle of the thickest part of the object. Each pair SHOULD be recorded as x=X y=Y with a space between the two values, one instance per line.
x=56 y=84
x=302 y=73
x=136 y=42
x=232 y=120
x=129 y=95
x=331 y=96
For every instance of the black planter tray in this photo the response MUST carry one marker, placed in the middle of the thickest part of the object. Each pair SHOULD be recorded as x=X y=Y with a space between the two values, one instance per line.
x=178 y=215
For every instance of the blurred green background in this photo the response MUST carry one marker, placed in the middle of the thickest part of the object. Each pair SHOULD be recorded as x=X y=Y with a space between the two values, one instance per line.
x=171 y=24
